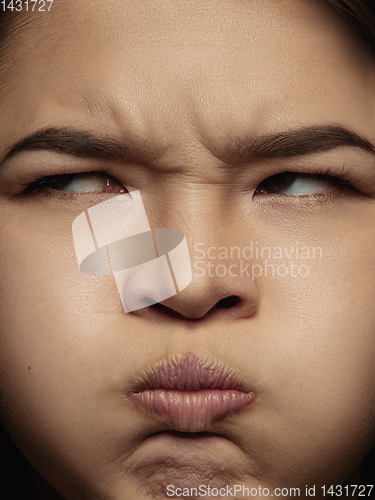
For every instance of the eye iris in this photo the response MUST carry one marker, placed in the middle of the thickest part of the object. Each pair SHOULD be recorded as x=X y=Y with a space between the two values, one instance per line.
x=278 y=183
x=60 y=182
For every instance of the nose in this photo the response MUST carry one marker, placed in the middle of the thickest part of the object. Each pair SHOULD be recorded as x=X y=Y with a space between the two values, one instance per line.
x=224 y=290
x=217 y=292
x=159 y=274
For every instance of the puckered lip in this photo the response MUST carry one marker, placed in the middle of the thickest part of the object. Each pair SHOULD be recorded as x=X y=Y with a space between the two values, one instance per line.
x=189 y=392
x=189 y=372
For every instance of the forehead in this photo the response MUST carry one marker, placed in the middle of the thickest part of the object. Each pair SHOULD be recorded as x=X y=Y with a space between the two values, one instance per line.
x=166 y=67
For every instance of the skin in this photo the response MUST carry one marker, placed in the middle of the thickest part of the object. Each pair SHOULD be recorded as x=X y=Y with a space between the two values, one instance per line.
x=186 y=79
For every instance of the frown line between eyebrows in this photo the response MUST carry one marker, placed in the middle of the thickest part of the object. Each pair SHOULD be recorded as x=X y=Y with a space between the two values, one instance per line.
x=291 y=143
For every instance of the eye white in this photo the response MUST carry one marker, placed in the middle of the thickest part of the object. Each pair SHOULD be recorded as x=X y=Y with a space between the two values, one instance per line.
x=85 y=183
x=308 y=185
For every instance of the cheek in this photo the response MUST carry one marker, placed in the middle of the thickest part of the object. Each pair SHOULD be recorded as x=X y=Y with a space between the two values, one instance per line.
x=311 y=347
x=53 y=321
x=322 y=309
x=319 y=343
x=321 y=349
x=60 y=359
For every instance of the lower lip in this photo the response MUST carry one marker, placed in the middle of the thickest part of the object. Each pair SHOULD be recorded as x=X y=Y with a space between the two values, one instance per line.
x=191 y=411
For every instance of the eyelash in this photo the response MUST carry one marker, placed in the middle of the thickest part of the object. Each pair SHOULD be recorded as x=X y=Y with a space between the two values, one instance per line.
x=343 y=179
x=40 y=185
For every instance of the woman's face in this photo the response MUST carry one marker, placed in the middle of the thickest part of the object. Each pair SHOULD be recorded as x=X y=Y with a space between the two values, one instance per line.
x=192 y=91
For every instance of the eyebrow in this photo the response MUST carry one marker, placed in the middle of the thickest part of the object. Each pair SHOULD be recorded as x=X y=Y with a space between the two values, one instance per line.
x=84 y=145
x=295 y=142
x=286 y=144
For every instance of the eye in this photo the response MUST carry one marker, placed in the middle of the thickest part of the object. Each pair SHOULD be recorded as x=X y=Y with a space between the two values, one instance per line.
x=298 y=184
x=85 y=182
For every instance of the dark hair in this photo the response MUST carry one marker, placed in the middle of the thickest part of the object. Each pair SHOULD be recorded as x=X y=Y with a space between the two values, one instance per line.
x=361 y=13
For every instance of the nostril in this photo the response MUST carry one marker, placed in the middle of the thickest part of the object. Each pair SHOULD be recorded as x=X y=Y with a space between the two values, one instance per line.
x=225 y=303
x=165 y=310
x=228 y=302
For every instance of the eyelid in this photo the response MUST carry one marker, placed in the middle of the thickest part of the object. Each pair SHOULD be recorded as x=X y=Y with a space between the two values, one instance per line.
x=343 y=174
x=40 y=185
x=344 y=180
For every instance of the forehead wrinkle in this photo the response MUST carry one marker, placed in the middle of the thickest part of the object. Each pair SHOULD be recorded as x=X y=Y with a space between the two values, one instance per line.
x=21 y=35
x=17 y=30
x=101 y=107
x=125 y=118
x=10 y=31
x=108 y=113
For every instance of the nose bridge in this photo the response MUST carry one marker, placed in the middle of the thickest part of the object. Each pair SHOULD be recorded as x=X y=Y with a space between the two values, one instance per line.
x=222 y=271
x=214 y=225
x=208 y=219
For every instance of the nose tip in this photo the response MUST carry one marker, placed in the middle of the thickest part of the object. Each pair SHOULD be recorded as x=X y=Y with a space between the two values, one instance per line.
x=209 y=298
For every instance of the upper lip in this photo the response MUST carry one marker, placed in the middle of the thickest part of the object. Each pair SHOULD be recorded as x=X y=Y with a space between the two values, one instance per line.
x=189 y=372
